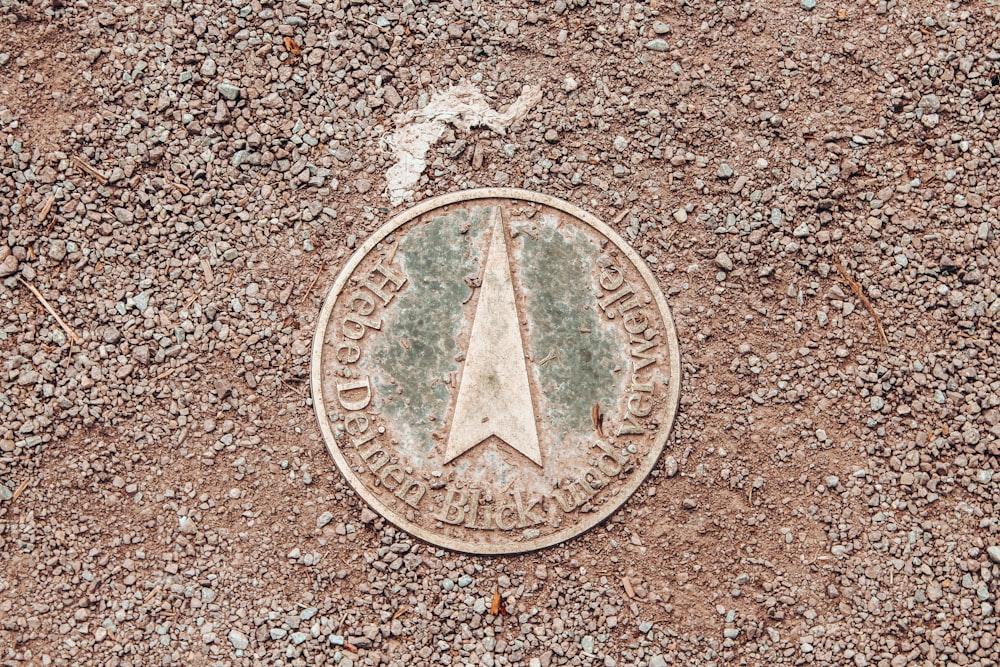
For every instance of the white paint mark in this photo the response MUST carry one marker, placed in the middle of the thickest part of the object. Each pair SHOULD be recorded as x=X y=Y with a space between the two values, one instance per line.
x=462 y=106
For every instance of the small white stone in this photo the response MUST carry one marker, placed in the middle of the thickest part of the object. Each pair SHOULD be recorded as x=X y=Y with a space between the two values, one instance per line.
x=208 y=67
x=238 y=640
x=670 y=466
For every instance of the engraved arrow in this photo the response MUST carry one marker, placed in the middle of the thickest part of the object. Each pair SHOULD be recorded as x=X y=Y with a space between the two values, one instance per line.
x=494 y=398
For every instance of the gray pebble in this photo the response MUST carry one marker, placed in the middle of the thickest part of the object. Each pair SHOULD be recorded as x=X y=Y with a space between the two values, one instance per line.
x=929 y=103
x=238 y=640
x=670 y=466
x=8 y=266
x=208 y=67
x=57 y=250
x=141 y=301
x=724 y=261
x=229 y=91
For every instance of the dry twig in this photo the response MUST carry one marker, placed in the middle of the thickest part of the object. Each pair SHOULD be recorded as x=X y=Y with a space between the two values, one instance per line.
x=291 y=388
x=598 y=420
x=391 y=255
x=620 y=216
x=19 y=491
x=165 y=374
x=156 y=589
x=47 y=207
x=549 y=357
x=313 y=283
x=665 y=242
x=90 y=170
x=545 y=28
x=52 y=311
x=860 y=294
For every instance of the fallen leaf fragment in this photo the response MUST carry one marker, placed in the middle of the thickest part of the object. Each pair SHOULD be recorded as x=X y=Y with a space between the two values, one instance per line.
x=598 y=420
x=495 y=602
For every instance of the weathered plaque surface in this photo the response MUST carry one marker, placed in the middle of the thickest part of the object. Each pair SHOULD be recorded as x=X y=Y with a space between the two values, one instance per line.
x=495 y=371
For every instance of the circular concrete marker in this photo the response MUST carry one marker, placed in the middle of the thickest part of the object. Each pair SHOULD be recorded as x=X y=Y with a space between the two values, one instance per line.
x=495 y=371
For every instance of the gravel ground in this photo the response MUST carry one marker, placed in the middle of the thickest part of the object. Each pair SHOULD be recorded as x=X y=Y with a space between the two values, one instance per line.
x=180 y=181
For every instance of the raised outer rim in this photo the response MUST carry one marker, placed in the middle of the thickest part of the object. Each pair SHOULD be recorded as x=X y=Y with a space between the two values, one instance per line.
x=673 y=389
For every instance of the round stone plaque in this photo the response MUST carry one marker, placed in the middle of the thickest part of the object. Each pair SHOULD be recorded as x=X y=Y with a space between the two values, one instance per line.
x=495 y=371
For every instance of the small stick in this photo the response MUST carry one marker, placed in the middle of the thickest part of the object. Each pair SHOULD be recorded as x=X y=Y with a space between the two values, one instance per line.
x=20 y=490
x=52 y=311
x=620 y=217
x=361 y=20
x=156 y=589
x=313 y=283
x=549 y=357
x=389 y=256
x=90 y=170
x=47 y=207
x=166 y=373
x=665 y=243
x=532 y=33
x=858 y=292
x=180 y=186
x=291 y=388
x=627 y=584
